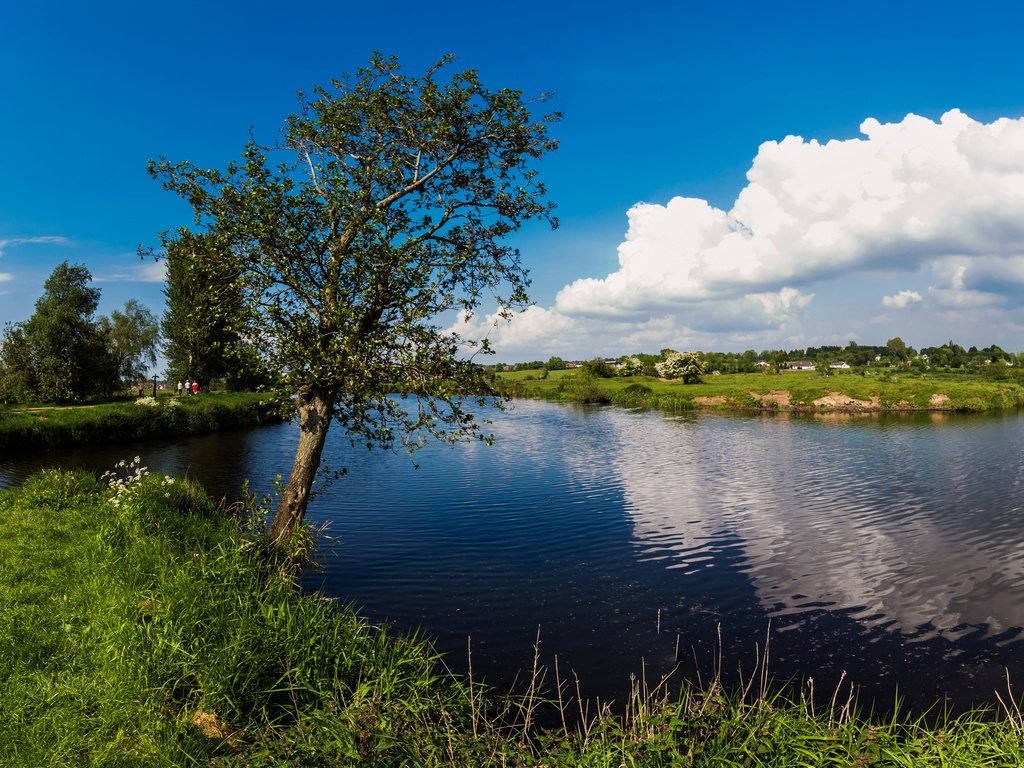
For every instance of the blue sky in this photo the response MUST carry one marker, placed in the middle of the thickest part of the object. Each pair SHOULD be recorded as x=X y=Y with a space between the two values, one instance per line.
x=661 y=101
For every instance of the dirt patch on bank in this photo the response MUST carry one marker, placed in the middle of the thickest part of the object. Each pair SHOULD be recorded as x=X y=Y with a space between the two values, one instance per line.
x=839 y=400
x=832 y=403
x=714 y=400
x=780 y=398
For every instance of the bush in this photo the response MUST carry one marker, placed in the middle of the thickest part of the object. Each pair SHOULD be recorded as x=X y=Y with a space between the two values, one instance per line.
x=634 y=395
x=582 y=388
x=598 y=368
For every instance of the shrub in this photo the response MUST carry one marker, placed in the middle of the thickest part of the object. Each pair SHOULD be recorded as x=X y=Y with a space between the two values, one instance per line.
x=634 y=394
x=599 y=368
x=582 y=388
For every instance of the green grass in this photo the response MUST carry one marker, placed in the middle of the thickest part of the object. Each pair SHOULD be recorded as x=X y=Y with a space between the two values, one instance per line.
x=140 y=625
x=537 y=374
x=795 y=390
x=131 y=420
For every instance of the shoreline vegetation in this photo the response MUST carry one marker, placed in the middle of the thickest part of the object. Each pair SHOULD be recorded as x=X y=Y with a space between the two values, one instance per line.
x=791 y=391
x=153 y=627
x=23 y=428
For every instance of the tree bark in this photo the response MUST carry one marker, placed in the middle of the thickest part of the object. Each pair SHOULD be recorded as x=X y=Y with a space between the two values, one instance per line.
x=315 y=411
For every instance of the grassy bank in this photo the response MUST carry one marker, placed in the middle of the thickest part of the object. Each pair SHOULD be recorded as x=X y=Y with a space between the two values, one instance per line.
x=132 y=420
x=789 y=391
x=139 y=626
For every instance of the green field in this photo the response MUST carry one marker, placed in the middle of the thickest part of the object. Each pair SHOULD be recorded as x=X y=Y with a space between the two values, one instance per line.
x=791 y=390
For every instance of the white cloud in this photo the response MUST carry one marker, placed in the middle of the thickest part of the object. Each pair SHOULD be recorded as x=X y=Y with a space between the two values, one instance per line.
x=534 y=328
x=6 y=277
x=902 y=300
x=51 y=239
x=153 y=272
x=149 y=272
x=907 y=197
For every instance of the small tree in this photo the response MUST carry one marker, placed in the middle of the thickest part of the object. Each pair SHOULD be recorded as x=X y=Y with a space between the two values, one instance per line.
x=688 y=366
x=897 y=348
x=131 y=336
x=385 y=205
x=823 y=367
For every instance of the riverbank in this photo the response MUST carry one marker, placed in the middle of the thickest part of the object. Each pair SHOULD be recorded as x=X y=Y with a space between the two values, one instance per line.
x=140 y=419
x=141 y=625
x=796 y=391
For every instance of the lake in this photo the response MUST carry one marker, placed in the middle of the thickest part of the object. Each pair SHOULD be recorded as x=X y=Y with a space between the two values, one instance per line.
x=886 y=547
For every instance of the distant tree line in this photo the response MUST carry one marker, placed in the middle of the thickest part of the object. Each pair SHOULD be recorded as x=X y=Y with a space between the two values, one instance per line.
x=64 y=353
x=950 y=357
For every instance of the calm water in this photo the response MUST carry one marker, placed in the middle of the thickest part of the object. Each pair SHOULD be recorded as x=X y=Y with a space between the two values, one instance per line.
x=889 y=548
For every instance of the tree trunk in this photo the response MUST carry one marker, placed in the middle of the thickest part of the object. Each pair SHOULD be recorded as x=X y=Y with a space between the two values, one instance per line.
x=315 y=413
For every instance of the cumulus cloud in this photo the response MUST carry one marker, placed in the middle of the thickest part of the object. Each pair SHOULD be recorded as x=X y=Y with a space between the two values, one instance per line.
x=912 y=196
x=902 y=300
x=910 y=192
x=5 y=277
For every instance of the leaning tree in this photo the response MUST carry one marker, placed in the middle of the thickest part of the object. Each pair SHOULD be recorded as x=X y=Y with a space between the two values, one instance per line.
x=380 y=213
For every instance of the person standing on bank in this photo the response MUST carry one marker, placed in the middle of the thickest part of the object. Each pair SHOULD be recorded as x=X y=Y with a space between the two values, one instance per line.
x=188 y=387
x=179 y=388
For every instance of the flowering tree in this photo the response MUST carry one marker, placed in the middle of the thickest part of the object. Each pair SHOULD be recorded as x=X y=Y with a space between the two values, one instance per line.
x=688 y=366
x=631 y=366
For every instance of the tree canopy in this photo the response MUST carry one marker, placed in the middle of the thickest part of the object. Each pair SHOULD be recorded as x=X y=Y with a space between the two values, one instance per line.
x=384 y=205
